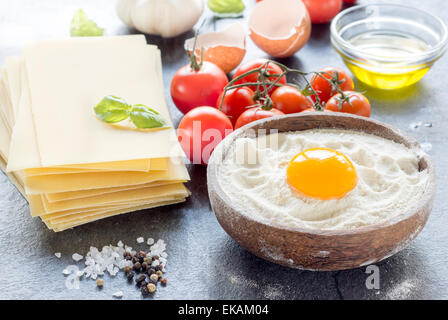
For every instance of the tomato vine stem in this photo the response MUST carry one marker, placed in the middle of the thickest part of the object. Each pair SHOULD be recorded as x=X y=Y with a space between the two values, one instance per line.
x=266 y=82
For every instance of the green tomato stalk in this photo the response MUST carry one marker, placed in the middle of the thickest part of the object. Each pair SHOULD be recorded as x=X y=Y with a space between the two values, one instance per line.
x=265 y=84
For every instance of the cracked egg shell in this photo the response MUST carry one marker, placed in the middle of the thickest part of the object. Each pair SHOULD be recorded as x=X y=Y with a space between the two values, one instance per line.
x=280 y=27
x=225 y=48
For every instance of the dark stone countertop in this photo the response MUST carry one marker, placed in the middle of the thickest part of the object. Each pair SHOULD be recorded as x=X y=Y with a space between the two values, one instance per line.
x=203 y=262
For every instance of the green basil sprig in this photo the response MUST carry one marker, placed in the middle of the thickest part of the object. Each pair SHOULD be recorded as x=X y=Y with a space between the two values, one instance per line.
x=82 y=26
x=112 y=109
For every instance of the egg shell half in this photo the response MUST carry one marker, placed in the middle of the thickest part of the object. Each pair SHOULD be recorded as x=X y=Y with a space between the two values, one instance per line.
x=225 y=48
x=280 y=27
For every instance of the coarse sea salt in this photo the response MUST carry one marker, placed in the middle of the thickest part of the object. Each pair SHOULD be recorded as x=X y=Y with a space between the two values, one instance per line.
x=140 y=240
x=150 y=241
x=157 y=248
x=66 y=272
x=77 y=257
x=118 y=294
x=110 y=259
x=58 y=254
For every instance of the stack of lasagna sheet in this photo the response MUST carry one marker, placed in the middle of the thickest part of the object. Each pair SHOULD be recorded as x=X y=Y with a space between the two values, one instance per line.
x=71 y=167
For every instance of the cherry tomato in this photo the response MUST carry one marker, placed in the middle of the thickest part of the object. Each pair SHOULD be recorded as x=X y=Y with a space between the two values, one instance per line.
x=248 y=66
x=288 y=99
x=190 y=88
x=357 y=104
x=253 y=114
x=349 y=1
x=323 y=87
x=235 y=102
x=322 y=11
x=200 y=131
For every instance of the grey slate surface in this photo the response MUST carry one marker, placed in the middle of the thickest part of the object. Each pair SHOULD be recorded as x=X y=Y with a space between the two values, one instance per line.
x=203 y=262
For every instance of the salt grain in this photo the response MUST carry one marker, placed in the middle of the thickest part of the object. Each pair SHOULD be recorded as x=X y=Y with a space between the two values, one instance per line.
x=58 y=255
x=77 y=257
x=415 y=125
x=111 y=259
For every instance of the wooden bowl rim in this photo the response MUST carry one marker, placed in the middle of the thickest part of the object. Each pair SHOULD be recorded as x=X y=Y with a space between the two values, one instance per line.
x=213 y=183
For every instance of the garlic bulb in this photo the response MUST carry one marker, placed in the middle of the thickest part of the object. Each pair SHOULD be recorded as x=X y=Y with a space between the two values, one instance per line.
x=167 y=18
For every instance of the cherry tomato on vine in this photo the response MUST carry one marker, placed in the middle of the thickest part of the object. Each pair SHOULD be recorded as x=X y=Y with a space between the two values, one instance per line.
x=235 y=102
x=322 y=11
x=288 y=99
x=254 y=64
x=191 y=88
x=357 y=104
x=256 y=113
x=200 y=131
x=323 y=87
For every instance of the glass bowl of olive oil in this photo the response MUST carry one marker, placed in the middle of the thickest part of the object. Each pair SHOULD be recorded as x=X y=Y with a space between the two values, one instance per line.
x=388 y=46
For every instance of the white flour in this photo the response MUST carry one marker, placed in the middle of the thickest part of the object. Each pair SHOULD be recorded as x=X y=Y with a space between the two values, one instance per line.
x=254 y=176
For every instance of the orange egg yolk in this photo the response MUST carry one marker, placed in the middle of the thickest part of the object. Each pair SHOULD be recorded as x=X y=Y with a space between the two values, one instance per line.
x=321 y=173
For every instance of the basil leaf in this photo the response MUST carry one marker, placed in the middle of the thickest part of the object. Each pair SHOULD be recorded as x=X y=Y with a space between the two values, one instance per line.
x=81 y=26
x=146 y=118
x=231 y=8
x=112 y=109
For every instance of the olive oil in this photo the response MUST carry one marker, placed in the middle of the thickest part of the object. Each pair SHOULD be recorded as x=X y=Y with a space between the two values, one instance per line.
x=386 y=65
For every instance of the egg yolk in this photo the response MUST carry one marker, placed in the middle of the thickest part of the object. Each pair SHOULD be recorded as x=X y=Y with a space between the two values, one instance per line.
x=321 y=173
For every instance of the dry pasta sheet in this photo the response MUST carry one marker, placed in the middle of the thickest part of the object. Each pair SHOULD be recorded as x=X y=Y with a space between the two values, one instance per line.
x=70 y=166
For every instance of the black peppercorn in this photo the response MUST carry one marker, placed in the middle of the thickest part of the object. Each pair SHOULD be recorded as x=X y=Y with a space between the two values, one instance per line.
x=151 y=271
x=144 y=266
x=130 y=275
x=144 y=290
x=140 y=278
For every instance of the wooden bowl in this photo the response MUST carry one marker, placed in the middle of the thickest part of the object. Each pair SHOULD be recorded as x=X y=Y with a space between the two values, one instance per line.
x=312 y=249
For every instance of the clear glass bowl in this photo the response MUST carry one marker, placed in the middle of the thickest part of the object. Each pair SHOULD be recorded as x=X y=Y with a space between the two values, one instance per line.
x=388 y=46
